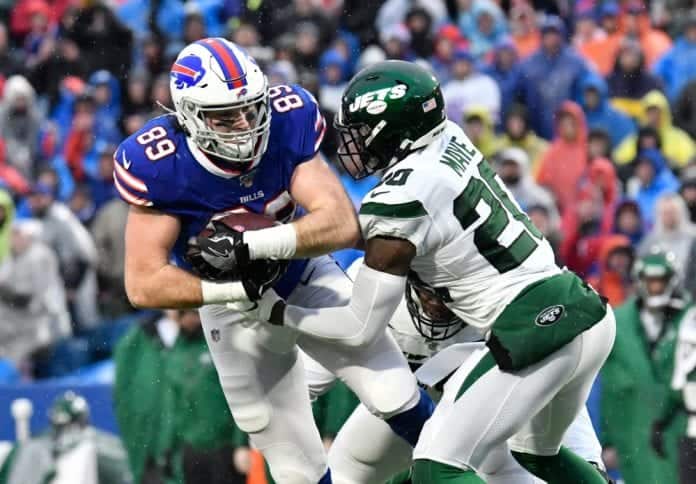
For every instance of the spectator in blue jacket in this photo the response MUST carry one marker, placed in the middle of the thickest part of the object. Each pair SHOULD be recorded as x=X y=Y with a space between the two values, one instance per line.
x=490 y=29
x=678 y=66
x=599 y=112
x=332 y=66
x=107 y=95
x=550 y=76
x=505 y=71
x=652 y=179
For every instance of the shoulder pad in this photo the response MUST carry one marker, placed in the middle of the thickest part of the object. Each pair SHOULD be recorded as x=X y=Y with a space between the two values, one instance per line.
x=390 y=195
x=136 y=161
x=297 y=120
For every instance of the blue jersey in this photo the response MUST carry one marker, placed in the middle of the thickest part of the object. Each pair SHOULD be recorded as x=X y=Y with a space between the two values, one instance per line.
x=159 y=167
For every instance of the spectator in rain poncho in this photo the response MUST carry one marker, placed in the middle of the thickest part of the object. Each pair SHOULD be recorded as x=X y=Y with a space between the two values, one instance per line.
x=599 y=112
x=628 y=222
x=516 y=132
x=652 y=179
x=74 y=246
x=489 y=30
x=33 y=313
x=675 y=143
x=106 y=92
x=20 y=122
x=612 y=277
x=678 y=66
x=480 y=128
x=550 y=76
x=672 y=232
x=565 y=162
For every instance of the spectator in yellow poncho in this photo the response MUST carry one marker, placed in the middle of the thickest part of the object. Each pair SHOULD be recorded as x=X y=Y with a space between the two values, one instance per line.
x=675 y=143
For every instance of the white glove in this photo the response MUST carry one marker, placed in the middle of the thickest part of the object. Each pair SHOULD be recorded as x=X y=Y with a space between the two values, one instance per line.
x=269 y=308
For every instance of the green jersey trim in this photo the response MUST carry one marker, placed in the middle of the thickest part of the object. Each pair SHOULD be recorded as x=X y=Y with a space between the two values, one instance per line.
x=486 y=363
x=412 y=209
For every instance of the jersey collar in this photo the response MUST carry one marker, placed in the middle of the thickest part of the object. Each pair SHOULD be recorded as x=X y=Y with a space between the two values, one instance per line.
x=206 y=162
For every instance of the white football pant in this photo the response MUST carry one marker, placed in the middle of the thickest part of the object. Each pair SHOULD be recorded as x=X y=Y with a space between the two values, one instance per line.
x=264 y=380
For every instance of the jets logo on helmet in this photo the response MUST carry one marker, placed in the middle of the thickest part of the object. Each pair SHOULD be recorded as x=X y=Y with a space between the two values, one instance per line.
x=220 y=98
x=374 y=102
x=389 y=110
x=187 y=71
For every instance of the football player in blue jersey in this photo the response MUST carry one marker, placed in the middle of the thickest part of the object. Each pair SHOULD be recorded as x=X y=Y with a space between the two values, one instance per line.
x=235 y=144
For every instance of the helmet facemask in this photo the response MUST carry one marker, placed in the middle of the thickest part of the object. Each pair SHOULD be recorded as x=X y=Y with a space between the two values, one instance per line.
x=657 y=299
x=353 y=148
x=431 y=317
x=212 y=129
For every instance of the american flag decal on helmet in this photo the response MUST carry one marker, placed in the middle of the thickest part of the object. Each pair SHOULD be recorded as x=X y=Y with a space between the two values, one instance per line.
x=429 y=105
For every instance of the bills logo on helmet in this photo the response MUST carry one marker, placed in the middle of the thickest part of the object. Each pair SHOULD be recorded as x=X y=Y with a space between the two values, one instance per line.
x=187 y=71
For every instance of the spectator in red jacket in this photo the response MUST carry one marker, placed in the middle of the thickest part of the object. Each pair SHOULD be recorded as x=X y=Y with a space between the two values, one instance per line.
x=613 y=277
x=565 y=161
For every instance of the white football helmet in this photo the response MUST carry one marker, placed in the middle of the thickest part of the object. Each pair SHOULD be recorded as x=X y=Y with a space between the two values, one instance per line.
x=213 y=83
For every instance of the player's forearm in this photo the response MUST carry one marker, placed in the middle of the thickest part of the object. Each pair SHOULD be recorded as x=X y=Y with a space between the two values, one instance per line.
x=319 y=232
x=376 y=295
x=174 y=288
x=168 y=287
x=325 y=231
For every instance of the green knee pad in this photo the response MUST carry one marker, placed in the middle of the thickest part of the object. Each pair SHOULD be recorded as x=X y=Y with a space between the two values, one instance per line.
x=562 y=468
x=430 y=472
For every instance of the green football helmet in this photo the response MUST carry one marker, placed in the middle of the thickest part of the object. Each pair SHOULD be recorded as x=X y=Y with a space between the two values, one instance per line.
x=388 y=110
x=656 y=265
x=67 y=409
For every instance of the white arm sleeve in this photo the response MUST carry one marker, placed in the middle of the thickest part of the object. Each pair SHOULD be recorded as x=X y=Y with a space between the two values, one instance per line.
x=376 y=296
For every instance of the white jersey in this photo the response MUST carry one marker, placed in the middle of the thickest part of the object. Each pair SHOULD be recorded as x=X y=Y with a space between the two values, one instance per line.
x=470 y=235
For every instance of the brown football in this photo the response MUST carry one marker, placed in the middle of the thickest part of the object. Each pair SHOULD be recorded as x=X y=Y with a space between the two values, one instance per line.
x=237 y=221
x=241 y=221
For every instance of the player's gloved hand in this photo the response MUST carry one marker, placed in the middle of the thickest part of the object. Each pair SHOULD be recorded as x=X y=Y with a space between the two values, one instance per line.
x=270 y=308
x=260 y=275
x=657 y=438
x=225 y=249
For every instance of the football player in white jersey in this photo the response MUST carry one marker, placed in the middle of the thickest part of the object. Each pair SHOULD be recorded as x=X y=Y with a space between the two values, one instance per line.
x=436 y=342
x=441 y=215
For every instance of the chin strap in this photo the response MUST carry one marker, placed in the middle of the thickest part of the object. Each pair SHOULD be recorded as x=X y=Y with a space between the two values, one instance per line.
x=165 y=108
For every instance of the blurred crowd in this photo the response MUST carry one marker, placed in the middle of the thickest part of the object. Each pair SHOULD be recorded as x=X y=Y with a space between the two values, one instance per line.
x=586 y=108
